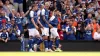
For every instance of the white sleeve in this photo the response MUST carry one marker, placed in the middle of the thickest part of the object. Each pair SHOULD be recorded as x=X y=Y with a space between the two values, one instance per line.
x=31 y=13
x=43 y=12
x=38 y=13
x=52 y=18
x=18 y=32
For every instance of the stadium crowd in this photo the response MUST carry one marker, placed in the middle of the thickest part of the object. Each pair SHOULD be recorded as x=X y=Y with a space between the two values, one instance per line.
x=58 y=19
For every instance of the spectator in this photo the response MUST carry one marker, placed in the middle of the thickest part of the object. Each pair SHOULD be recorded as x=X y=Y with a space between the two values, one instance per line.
x=3 y=16
x=18 y=4
x=88 y=32
x=97 y=15
x=95 y=26
x=4 y=25
x=14 y=33
x=80 y=31
x=18 y=21
x=88 y=20
x=4 y=36
x=97 y=34
x=8 y=7
x=71 y=31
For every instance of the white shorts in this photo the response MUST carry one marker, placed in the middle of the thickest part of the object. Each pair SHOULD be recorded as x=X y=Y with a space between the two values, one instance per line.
x=33 y=32
x=54 y=33
x=45 y=31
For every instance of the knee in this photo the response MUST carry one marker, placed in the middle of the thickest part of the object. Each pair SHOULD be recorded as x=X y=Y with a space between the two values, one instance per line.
x=45 y=38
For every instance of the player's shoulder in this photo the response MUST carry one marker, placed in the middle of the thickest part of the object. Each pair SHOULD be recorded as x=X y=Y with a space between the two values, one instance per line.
x=31 y=11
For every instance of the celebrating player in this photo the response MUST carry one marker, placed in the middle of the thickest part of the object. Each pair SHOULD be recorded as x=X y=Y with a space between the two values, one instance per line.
x=53 y=29
x=33 y=28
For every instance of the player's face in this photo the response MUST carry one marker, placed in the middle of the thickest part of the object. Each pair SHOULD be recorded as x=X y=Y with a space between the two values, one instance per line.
x=47 y=6
x=36 y=7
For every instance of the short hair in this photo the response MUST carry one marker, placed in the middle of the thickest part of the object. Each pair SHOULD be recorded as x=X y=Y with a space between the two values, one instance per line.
x=34 y=5
x=47 y=3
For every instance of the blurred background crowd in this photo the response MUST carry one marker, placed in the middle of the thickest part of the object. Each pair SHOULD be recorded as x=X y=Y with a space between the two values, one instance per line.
x=84 y=15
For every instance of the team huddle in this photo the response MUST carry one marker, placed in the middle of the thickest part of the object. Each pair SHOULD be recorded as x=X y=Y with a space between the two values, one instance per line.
x=39 y=19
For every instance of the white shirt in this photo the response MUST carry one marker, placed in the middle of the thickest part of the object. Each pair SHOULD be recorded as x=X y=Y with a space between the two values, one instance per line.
x=31 y=14
x=96 y=35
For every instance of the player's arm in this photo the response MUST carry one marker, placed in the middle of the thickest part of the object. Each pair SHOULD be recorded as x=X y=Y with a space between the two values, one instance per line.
x=54 y=23
x=38 y=20
x=32 y=19
x=43 y=14
x=28 y=11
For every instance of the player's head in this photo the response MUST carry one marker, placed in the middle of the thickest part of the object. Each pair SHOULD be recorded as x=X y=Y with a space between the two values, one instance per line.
x=56 y=12
x=47 y=5
x=41 y=6
x=34 y=7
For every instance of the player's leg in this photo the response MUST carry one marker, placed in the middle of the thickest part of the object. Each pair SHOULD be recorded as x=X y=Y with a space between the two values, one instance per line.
x=51 y=43
x=45 y=34
x=38 y=40
x=57 y=38
x=32 y=39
